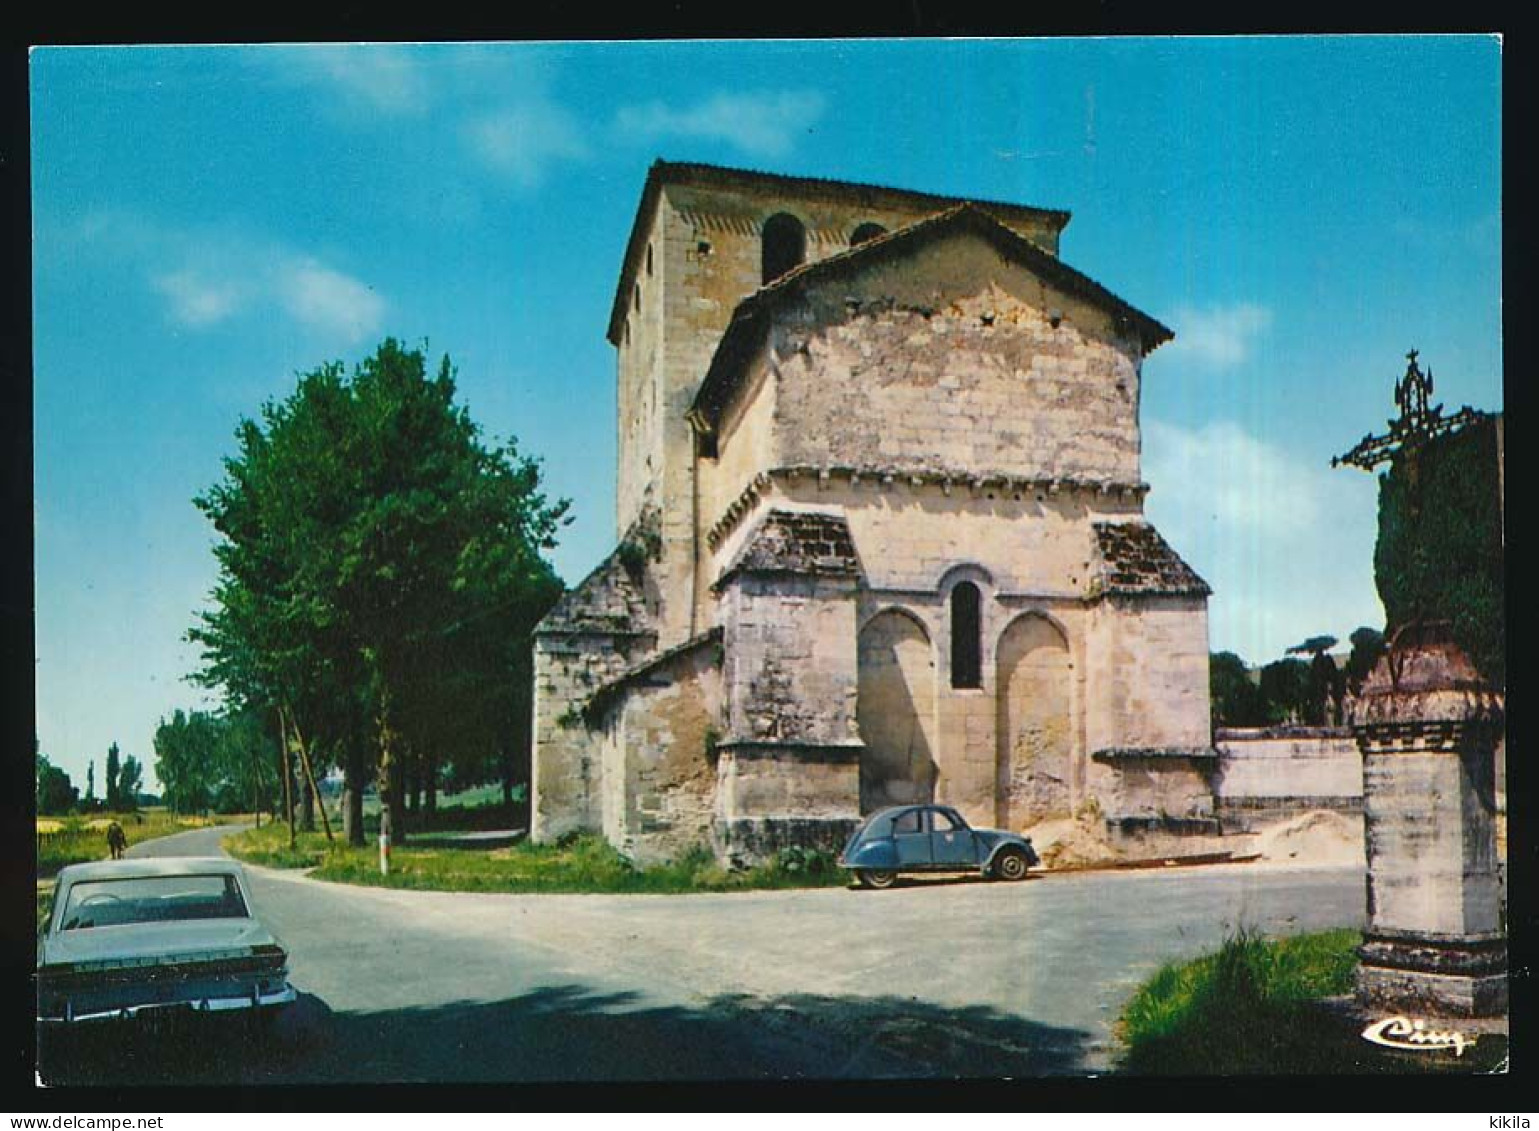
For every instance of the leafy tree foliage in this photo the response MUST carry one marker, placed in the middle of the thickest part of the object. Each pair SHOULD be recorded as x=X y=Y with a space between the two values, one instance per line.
x=1367 y=647
x=1285 y=688
x=130 y=782
x=1324 y=684
x=90 y=793
x=55 y=794
x=1236 y=700
x=186 y=762
x=1439 y=554
x=113 y=766
x=215 y=762
x=1314 y=646
x=381 y=572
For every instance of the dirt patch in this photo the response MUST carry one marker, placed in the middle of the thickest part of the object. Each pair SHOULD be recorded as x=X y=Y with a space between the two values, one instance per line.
x=1317 y=837
x=1069 y=843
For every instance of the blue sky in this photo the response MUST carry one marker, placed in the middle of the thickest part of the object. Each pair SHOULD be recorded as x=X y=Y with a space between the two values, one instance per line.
x=208 y=221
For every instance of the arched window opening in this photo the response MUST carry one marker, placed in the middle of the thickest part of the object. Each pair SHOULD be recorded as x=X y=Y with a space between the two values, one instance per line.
x=867 y=231
x=785 y=245
x=649 y=259
x=966 y=636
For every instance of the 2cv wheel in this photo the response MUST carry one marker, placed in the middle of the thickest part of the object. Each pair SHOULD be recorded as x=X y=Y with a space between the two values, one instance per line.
x=876 y=877
x=1011 y=865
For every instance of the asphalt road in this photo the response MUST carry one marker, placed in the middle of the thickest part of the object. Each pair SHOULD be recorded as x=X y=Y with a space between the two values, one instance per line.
x=931 y=979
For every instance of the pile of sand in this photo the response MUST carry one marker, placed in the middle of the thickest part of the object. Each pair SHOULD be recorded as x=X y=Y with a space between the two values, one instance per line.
x=1065 y=842
x=1317 y=837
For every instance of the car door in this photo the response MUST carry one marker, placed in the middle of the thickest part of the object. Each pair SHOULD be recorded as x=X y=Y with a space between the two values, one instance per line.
x=952 y=843
x=911 y=838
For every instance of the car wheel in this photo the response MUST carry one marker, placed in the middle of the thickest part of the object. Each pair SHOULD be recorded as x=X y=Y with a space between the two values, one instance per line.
x=1011 y=865
x=876 y=877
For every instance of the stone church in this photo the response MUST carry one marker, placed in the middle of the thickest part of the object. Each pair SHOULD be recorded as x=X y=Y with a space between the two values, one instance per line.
x=880 y=535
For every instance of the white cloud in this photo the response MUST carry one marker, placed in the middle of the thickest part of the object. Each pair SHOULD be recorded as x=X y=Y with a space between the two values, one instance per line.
x=1285 y=541
x=522 y=141
x=1218 y=336
x=761 y=124
x=371 y=78
x=195 y=299
x=209 y=275
x=1245 y=484
x=326 y=299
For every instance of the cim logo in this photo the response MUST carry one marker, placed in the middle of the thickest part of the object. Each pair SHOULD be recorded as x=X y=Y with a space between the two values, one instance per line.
x=1405 y=1033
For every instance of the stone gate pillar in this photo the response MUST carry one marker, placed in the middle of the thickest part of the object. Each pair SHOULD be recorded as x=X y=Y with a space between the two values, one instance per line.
x=1426 y=725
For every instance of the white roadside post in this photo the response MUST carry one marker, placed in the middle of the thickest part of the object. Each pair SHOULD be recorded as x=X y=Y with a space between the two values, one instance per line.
x=384 y=840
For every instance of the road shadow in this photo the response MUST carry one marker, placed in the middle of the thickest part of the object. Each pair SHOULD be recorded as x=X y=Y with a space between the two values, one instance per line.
x=566 y=1034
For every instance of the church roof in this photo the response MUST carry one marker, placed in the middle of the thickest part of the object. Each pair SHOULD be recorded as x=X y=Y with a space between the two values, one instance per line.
x=609 y=600
x=720 y=176
x=751 y=319
x=1133 y=560
x=801 y=542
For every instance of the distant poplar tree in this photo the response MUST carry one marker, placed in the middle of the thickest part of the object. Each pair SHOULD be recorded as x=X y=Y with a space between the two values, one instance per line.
x=114 y=793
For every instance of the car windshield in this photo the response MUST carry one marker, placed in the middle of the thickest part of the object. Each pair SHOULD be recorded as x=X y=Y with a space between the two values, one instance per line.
x=151 y=899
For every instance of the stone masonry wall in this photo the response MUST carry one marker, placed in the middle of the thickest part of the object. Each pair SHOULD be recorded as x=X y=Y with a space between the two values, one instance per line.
x=659 y=763
x=704 y=247
x=789 y=673
x=1267 y=774
x=948 y=357
x=1147 y=678
x=1030 y=542
x=565 y=767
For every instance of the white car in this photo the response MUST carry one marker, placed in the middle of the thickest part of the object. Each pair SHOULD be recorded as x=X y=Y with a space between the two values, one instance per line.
x=160 y=935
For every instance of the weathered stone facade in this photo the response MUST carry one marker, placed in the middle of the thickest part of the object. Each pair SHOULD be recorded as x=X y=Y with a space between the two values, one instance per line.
x=884 y=537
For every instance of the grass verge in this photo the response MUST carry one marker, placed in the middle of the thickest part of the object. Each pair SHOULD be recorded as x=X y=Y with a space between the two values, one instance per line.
x=581 y=864
x=1257 y=1007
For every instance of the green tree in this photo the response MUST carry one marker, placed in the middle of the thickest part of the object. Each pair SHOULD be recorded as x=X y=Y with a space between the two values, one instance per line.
x=380 y=575
x=186 y=750
x=1285 y=690
x=90 y=793
x=1367 y=648
x=247 y=756
x=130 y=782
x=55 y=794
x=1440 y=550
x=1324 y=682
x=1235 y=698
x=113 y=767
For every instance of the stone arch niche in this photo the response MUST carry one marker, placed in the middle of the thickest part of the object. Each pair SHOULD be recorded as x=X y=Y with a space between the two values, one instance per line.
x=896 y=711
x=784 y=246
x=1035 y=730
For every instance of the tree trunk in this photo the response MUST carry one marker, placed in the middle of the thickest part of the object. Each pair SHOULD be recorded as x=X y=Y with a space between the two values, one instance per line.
x=432 y=787
x=313 y=797
x=506 y=765
x=398 y=801
x=288 y=776
x=306 y=804
x=352 y=795
x=388 y=776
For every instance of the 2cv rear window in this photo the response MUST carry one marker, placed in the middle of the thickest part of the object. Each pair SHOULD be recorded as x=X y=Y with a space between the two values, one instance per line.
x=151 y=899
